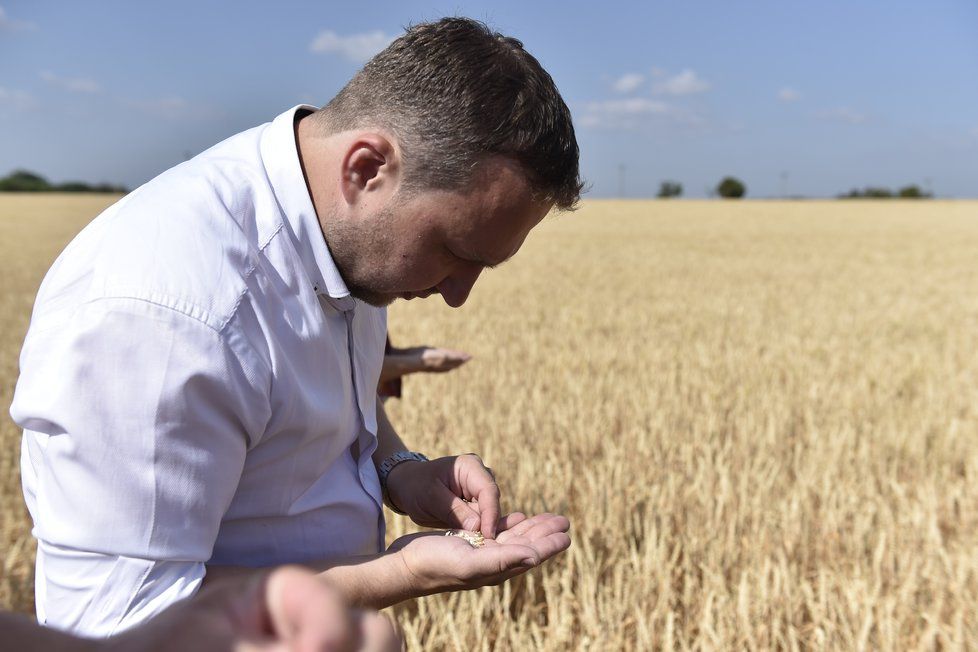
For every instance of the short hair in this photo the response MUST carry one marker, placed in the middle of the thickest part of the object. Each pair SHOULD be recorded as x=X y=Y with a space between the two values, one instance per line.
x=454 y=92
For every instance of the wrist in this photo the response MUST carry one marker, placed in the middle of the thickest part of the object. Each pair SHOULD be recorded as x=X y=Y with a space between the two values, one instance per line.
x=388 y=467
x=377 y=582
x=416 y=584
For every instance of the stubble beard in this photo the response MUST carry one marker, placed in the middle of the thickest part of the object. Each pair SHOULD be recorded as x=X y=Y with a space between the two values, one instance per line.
x=358 y=253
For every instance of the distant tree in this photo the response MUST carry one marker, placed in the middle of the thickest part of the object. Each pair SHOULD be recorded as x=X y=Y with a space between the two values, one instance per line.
x=24 y=181
x=108 y=187
x=670 y=189
x=875 y=192
x=913 y=192
x=73 y=186
x=731 y=188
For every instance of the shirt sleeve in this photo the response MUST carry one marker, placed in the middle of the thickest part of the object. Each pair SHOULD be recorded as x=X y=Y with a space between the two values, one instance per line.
x=100 y=595
x=137 y=419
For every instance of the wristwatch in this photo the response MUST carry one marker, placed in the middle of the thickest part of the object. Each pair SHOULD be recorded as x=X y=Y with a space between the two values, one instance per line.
x=388 y=465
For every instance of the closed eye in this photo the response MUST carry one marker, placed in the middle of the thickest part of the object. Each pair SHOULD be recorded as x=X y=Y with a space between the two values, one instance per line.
x=473 y=260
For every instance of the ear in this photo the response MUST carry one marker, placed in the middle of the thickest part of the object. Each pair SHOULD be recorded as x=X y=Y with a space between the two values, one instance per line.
x=370 y=164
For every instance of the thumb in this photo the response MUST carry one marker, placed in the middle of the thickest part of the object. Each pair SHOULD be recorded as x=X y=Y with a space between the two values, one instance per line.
x=454 y=512
x=306 y=614
x=504 y=560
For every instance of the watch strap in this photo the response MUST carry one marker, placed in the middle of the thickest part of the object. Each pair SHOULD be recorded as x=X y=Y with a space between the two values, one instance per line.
x=385 y=468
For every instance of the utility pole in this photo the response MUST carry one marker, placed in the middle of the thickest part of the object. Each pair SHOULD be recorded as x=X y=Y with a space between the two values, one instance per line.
x=784 y=184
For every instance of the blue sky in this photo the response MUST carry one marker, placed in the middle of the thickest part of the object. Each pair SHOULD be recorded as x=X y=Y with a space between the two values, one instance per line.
x=794 y=98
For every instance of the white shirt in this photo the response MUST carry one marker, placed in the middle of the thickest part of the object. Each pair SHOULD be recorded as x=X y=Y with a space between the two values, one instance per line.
x=197 y=385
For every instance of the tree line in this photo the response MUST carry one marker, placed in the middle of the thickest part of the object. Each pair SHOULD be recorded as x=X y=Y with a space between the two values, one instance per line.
x=27 y=181
x=872 y=192
x=734 y=188
x=727 y=188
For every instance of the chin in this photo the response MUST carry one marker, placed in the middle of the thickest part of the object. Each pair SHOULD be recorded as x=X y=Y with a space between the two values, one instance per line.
x=376 y=299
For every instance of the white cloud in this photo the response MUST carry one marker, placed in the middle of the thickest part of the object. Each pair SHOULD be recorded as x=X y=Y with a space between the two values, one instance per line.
x=842 y=114
x=7 y=23
x=633 y=113
x=632 y=106
x=686 y=82
x=71 y=84
x=15 y=99
x=788 y=94
x=628 y=82
x=355 y=47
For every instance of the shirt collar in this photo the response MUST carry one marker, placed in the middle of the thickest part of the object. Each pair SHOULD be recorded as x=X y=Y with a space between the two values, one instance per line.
x=280 y=156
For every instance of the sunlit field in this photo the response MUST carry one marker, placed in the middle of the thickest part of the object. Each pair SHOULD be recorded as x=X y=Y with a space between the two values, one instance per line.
x=760 y=417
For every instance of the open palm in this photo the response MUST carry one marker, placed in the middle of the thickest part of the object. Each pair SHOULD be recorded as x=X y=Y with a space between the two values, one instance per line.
x=450 y=563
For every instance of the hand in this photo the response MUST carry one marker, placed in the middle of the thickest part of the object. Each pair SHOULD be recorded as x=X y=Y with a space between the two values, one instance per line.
x=440 y=360
x=401 y=362
x=426 y=358
x=287 y=609
x=449 y=492
x=440 y=563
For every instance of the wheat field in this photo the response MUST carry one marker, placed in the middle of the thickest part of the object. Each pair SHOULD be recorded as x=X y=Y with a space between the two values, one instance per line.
x=760 y=417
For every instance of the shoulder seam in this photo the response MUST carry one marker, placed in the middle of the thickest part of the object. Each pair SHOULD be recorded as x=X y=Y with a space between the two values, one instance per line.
x=247 y=275
x=159 y=304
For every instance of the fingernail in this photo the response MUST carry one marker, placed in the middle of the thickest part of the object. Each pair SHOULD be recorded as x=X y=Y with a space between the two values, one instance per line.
x=529 y=563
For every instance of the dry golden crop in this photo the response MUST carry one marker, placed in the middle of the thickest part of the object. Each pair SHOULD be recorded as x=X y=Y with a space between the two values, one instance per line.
x=760 y=417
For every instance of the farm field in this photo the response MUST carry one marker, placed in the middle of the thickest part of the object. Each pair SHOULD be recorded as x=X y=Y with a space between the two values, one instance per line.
x=760 y=417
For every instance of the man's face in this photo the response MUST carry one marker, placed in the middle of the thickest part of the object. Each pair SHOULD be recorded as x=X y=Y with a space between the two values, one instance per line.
x=436 y=241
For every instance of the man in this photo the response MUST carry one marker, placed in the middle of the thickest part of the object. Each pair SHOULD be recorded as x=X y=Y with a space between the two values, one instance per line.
x=287 y=609
x=197 y=386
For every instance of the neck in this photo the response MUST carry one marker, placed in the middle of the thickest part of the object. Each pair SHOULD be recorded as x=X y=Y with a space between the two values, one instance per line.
x=313 y=150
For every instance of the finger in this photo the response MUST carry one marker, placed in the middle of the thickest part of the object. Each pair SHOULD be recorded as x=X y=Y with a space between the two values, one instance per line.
x=513 y=559
x=307 y=614
x=435 y=359
x=550 y=545
x=540 y=550
x=488 y=500
x=477 y=482
x=520 y=529
x=493 y=561
x=508 y=521
x=546 y=527
x=457 y=358
x=451 y=355
x=379 y=633
x=453 y=512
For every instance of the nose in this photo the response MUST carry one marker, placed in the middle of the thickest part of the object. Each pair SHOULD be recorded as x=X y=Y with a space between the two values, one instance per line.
x=455 y=288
